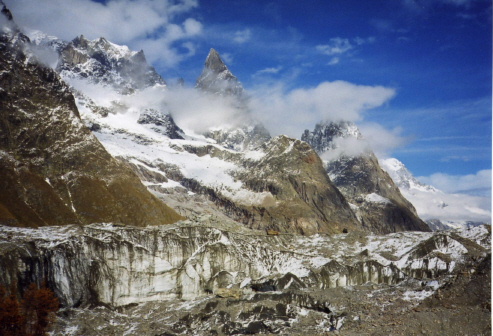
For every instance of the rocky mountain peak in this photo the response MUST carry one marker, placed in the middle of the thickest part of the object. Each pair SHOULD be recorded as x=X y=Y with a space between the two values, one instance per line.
x=81 y=42
x=6 y=12
x=103 y=62
x=9 y=30
x=325 y=134
x=402 y=177
x=214 y=62
x=217 y=79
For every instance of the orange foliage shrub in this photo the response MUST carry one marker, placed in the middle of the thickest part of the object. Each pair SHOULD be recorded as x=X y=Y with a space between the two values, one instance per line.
x=29 y=317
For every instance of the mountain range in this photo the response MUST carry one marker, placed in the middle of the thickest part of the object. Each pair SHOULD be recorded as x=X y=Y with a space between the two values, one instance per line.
x=129 y=192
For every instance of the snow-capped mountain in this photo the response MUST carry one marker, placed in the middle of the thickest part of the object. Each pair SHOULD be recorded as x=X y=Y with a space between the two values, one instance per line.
x=99 y=62
x=439 y=209
x=217 y=79
x=265 y=247
x=54 y=171
x=103 y=62
x=226 y=165
x=355 y=171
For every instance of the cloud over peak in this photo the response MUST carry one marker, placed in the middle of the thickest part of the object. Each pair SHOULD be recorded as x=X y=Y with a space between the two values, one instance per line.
x=151 y=25
x=302 y=108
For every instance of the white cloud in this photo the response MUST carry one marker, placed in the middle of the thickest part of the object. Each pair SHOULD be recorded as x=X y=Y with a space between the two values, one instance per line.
x=335 y=46
x=449 y=207
x=338 y=46
x=479 y=183
x=193 y=110
x=360 y=40
x=346 y=146
x=199 y=112
x=374 y=138
x=290 y=112
x=242 y=36
x=227 y=58
x=144 y=23
x=381 y=140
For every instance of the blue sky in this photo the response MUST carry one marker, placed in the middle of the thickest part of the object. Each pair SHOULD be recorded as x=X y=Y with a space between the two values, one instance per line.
x=434 y=56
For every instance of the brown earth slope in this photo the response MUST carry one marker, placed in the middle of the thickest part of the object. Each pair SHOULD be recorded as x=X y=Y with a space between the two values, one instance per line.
x=53 y=170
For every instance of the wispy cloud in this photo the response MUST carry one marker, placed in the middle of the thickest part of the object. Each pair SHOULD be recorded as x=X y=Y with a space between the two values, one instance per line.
x=242 y=36
x=423 y=4
x=267 y=71
x=479 y=183
x=337 y=46
x=334 y=61
x=382 y=140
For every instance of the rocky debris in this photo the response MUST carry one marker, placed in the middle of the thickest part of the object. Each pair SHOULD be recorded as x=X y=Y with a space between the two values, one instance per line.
x=375 y=199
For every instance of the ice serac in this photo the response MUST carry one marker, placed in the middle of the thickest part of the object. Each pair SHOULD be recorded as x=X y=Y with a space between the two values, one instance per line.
x=376 y=200
x=54 y=171
x=239 y=271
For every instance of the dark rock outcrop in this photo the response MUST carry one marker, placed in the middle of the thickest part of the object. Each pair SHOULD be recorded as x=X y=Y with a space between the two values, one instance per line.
x=163 y=123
